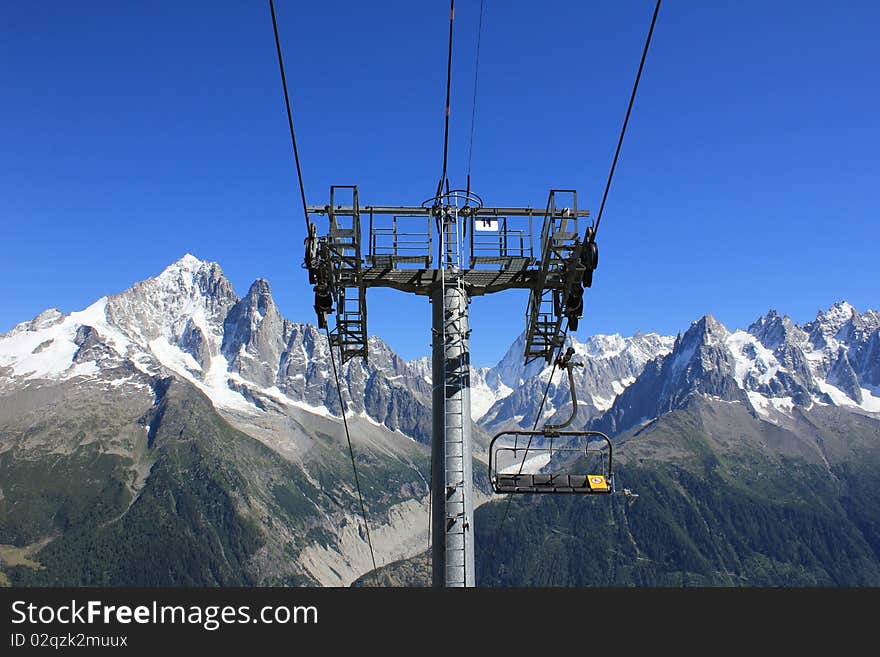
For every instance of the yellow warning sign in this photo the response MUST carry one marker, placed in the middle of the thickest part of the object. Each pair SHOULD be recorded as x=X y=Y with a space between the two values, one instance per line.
x=597 y=482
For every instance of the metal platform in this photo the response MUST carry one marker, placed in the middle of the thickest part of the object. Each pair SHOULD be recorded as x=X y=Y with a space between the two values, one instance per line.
x=422 y=281
x=499 y=251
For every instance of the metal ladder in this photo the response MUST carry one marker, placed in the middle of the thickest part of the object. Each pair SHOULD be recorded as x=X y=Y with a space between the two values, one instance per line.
x=559 y=238
x=350 y=334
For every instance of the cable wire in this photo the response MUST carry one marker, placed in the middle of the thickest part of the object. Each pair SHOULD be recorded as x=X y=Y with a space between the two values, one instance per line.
x=351 y=453
x=299 y=175
x=632 y=99
x=474 y=108
x=448 y=90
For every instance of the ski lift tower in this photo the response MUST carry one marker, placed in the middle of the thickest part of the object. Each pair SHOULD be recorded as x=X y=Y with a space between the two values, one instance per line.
x=450 y=249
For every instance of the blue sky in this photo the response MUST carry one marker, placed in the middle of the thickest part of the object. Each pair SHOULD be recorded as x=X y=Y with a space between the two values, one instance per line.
x=132 y=133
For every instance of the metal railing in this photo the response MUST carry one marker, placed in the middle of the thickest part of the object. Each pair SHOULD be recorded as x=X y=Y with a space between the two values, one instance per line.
x=501 y=241
x=391 y=246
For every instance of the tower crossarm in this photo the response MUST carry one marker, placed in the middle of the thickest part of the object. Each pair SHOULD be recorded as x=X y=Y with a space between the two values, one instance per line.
x=503 y=248
x=417 y=210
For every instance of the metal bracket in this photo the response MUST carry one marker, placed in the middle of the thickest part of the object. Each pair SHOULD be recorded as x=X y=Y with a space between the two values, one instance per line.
x=564 y=362
x=630 y=496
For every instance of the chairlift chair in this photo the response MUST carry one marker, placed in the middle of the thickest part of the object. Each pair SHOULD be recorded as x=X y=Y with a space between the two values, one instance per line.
x=551 y=460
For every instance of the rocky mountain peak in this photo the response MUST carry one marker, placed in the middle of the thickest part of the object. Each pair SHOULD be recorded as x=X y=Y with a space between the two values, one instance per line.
x=260 y=290
x=691 y=348
x=187 y=292
x=44 y=320
x=707 y=330
x=258 y=302
x=773 y=330
x=255 y=335
x=700 y=361
x=824 y=329
x=840 y=311
x=192 y=277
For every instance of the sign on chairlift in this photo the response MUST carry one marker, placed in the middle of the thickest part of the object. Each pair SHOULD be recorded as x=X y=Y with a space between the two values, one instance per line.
x=486 y=224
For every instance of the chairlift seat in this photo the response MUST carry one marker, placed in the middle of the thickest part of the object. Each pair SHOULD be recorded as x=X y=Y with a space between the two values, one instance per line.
x=552 y=483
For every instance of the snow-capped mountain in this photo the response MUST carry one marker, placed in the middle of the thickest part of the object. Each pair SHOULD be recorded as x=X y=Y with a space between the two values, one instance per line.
x=775 y=366
x=510 y=392
x=248 y=359
x=609 y=363
x=240 y=352
x=831 y=360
